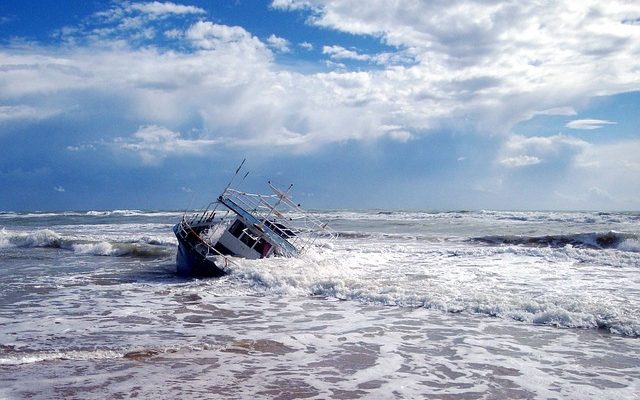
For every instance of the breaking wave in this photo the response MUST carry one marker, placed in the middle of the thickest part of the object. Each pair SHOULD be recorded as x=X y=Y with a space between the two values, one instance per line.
x=144 y=247
x=365 y=278
x=90 y=213
x=129 y=213
x=543 y=313
x=39 y=238
x=593 y=240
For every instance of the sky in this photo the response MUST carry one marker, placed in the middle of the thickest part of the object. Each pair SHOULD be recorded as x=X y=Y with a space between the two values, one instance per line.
x=421 y=105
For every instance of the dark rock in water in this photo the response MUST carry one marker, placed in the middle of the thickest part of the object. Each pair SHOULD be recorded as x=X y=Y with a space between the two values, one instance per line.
x=141 y=354
x=188 y=298
x=7 y=348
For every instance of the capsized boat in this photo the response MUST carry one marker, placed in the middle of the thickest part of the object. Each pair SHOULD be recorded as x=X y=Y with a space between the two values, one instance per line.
x=246 y=225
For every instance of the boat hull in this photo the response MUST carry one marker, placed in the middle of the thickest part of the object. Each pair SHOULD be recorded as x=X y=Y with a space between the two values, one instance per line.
x=190 y=263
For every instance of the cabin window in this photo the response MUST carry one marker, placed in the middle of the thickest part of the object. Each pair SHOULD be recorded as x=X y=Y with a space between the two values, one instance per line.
x=248 y=239
x=237 y=228
x=280 y=229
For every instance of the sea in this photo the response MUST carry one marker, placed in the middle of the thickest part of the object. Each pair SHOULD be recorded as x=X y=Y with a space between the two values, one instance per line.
x=401 y=305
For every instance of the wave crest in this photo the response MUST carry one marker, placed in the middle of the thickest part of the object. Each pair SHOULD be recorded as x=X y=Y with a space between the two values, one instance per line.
x=593 y=240
x=39 y=238
x=145 y=247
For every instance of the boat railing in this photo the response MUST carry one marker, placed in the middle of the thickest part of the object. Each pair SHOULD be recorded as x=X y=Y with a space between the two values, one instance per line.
x=185 y=230
x=285 y=218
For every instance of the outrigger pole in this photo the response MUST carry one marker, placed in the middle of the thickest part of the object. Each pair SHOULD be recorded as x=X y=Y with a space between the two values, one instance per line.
x=236 y=174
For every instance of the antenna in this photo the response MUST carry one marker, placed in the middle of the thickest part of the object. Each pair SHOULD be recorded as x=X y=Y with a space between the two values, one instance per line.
x=234 y=175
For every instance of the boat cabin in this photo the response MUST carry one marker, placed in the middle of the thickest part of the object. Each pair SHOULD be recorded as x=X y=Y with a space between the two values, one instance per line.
x=240 y=240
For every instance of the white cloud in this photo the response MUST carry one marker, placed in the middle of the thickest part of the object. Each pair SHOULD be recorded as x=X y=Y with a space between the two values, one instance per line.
x=520 y=161
x=490 y=64
x=335 y=65
x=208 y=35
x=614 y=159
x=59 y=189
x=81 y=147
x=336 y=52
x=609 y=175
x=133 y=14
x=400 y=135
x=127 y=22
x=24 y=113
x=306 y=45
x=588 y=124
x=340 y=53
x=578 y=174
x=278 y=43
x=533 y=56
x=153 y=143
x=173 y=33
x=156 y=8
x=543 y=144
x=521 y=151
x=566 y=111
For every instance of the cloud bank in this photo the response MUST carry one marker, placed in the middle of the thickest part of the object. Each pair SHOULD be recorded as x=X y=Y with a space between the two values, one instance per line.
x=186 y=84
x=493 y=64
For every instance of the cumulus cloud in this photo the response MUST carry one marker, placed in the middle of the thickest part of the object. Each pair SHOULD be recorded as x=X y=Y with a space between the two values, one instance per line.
x=576 y=174
x=208 y=35
x=340 y=53
x=588 y=124
x=521 y=151
x=493 y=65
x=126 y=21
x=278 y=43
x=540 y=56
x=133 y=14
x=336 y=52
x=153 y=143
x=156 y=8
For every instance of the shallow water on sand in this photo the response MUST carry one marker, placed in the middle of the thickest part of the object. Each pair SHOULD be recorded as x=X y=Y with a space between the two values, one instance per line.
x=403 y=305
x=273 y=347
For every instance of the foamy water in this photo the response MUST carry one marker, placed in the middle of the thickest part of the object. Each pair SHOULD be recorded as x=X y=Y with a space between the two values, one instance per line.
x=402 y=305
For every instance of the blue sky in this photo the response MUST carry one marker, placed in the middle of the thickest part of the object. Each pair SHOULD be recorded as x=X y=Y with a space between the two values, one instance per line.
x=377 y=104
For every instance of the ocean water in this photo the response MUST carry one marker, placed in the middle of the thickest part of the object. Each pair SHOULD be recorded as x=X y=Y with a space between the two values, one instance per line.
x=438 y=305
